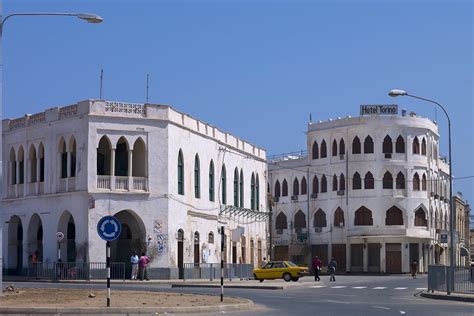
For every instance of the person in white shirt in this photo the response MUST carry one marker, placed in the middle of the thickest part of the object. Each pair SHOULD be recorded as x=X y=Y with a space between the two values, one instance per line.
x=134 y=260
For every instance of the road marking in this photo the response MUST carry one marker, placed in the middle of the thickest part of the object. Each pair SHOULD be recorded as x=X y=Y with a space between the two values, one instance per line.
x=402 y=312
x=339 y=302
x=401 y=288
x=359 y=287
x=317 y=286
x=379 y=288
x=338 y=287
x=381 y=307
x=421 y=288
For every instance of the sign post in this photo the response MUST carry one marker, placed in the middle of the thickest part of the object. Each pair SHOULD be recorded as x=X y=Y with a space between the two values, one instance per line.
x=222 y=263
x=108 y=228
x=59 y=237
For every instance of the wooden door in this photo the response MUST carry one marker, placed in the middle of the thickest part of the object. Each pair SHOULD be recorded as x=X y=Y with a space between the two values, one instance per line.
x=339 y=254
x=393 y=258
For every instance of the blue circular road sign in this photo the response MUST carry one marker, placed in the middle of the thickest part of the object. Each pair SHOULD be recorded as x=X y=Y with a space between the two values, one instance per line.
x=109 y=228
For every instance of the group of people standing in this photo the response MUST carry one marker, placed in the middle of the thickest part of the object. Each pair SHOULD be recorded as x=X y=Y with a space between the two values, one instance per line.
x=332 y=267
x=140 y=266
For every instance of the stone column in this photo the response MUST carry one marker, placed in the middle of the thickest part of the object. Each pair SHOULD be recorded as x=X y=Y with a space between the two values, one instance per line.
x=17 y=177
x=38 y=174
x=348 y=256
x=68 y=170
x=112 y=169
x=130 y=171
x=383 y=262
x=366 y=256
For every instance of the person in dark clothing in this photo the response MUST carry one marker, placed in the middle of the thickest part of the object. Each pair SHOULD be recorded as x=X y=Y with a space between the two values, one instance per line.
x=317 y=268
x=332 y=267
x=413 y=268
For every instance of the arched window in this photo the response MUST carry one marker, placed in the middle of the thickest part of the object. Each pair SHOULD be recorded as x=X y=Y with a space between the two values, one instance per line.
x=394 y=216
x=420 y=218
x=369 y=145
x=368 y=181
x=400 y=145
x=33 y=163
x=285 y=188
x=241 y=188
x=356 y=182
x=356 y=145
x=315 y=184
x=12 y=167
x=252 y=192
x=223 y=186
x=41 y=160
x=315 y=150
x=197 y=177
x=236 y=187
x=296 y=187
x=423 y=146
x=339 y=217
x=300 y=219
x=363 y=217
x=63 y=155
x=121 y=158
x=324 y=152
x=211 y=181
x=180 y=173
x=210 y=238
x=342 y=147
x=416 y=146
x=387 y=147
x=277 y=189
x=257 y=192
x=400 y=181
x=319 y=219
x=304 y=186
x=334 y=148
x=416 y=182
x=324 y=184
x=423 y=182
x=387 y=180
x=334 y=183
x=281 y=221
x=21 y=165
x=103 y=156
x=342 y=182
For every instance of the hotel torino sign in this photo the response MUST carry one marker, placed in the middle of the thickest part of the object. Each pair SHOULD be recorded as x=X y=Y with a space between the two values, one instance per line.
x=387 y=109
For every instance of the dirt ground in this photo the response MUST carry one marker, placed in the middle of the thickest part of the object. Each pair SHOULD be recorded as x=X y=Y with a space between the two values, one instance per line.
x=41 y=297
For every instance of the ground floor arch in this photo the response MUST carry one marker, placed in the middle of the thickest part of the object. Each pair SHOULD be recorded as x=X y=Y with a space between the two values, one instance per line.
x=35 y=237
x=67 y=226
x=15 y=245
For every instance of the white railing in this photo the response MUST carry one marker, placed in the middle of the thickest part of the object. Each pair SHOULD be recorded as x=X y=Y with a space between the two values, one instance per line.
x=20 y=189
x=71 y=184
x=121 y=183
x=139 y=183
x=62 y=185
x=32 y=188
x=104 y=182
x=41 y=188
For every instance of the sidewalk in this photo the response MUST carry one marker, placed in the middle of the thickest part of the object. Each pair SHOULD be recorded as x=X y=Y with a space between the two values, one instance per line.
x=451 y=297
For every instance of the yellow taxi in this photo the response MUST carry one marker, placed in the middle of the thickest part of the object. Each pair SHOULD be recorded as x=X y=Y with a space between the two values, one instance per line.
x=285 y=270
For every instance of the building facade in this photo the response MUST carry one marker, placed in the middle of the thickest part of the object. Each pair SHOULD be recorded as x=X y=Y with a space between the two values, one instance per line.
x=370 y=191
x=463 y=211
x=169 y=178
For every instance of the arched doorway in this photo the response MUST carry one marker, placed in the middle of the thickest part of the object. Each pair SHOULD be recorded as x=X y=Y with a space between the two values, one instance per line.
x=131 y=239
x=180 y=253
x=35 y=237
x=15 y=245
x=67 y=226
x=196 y=248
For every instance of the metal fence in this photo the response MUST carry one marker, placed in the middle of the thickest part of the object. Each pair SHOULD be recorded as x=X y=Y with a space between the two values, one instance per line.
x=212 y=271
x=75 y=271
x=439 y=279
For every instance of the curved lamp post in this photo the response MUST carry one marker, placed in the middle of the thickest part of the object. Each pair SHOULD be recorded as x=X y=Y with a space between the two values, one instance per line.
x=452 y=213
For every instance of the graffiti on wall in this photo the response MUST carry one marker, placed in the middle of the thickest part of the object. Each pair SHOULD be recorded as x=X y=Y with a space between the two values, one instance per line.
x=161 y=237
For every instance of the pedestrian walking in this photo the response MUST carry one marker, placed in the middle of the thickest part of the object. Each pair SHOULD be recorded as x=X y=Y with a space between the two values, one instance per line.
x=134 y=260
x=332 y=267
x=143 y=265
x=317 y=268
x=34 y=263
x=413 y=268
x=264 y=262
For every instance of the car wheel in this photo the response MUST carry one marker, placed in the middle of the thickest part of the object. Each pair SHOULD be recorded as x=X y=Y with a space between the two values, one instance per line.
x=261 y=280
x=287 y=277
x=255 y=277
x=295 y=279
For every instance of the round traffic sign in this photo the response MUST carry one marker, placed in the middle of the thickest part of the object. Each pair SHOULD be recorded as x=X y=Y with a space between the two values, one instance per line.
x=59 y=236
x=109 y=228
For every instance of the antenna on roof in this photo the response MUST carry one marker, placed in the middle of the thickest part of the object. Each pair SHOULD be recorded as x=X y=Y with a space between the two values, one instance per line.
x=147 y=79
x=310 y=118
x=101 y=79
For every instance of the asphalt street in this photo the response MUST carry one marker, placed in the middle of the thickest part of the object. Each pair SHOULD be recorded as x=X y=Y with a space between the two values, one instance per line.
x=349 y=295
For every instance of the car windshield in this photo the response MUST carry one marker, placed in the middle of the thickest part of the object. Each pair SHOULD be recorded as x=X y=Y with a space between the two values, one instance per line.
x=291 y=264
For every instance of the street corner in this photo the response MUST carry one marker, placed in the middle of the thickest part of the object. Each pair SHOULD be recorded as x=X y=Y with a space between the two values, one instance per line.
x=449 y=297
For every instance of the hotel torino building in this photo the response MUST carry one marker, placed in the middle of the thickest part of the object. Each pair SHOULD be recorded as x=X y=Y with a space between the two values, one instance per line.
x=372 y=192
x=169 y=178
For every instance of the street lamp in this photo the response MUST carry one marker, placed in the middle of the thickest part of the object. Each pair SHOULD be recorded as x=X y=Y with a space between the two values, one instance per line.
x=88 y=17
x=452 y=217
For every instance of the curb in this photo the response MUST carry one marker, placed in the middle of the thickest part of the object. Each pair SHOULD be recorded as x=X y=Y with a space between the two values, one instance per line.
x=248 y=305
x=256 y=287
x=447 y=297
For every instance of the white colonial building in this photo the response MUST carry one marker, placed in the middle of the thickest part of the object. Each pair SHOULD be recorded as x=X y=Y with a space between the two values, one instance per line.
x=169 y=178
x=372 y=192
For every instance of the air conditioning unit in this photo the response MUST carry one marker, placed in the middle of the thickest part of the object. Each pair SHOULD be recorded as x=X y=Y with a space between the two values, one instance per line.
x=294 y=197
x=276 y=199
x=279 y=231
x=298 y=230
x=340 y=192
x=388 y=156
x=341 y=157
x=318 y=229
x=314 y=195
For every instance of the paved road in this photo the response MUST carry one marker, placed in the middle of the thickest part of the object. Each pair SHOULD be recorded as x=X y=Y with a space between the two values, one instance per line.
x=350 y=295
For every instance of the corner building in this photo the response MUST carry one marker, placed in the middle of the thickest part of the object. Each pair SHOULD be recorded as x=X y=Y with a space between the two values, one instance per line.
x=165 y=175
x=370 y=191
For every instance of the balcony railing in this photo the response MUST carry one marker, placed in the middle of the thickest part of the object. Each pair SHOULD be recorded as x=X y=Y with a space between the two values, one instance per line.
x=139 y=183
x=104 y=182
x=121 y=183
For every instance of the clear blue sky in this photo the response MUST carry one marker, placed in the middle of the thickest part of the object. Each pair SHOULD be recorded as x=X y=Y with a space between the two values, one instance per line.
x=253 y=68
